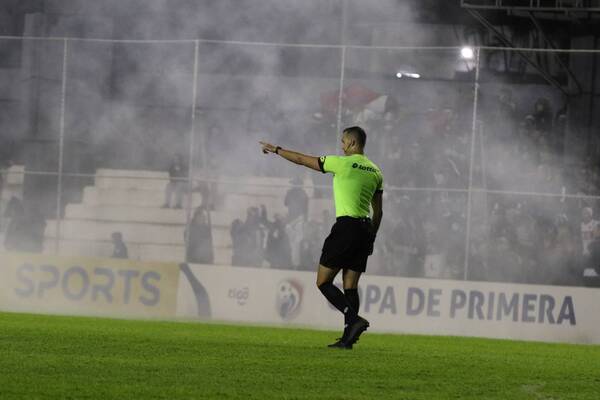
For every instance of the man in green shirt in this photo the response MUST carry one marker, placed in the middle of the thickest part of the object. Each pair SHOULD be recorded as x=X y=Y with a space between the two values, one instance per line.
x=357 y=186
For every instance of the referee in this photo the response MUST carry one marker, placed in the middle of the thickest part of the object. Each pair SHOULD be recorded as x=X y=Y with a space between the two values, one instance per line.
x=357 y=186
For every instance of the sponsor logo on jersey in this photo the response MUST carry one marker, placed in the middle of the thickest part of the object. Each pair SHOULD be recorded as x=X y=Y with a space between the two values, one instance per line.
x=363 y=168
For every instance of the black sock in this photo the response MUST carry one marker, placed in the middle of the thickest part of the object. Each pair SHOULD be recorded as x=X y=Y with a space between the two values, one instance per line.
x=339 y=301
x=353 y=301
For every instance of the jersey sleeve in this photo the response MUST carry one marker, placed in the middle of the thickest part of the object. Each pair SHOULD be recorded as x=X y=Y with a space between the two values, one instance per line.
x=380 y=185
x=331 y=164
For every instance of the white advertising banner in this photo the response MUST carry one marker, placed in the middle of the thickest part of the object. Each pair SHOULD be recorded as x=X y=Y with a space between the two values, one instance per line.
x=393 y=304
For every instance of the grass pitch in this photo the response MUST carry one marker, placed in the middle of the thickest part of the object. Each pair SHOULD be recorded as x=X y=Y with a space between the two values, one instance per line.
x=91 y=358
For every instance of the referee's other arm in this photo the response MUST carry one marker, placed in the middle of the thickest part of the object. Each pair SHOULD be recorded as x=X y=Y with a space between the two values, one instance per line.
x=293 y=156
x=377 y=204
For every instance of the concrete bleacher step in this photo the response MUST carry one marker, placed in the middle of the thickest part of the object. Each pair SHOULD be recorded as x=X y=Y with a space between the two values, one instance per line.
x=156 y=180
x=102 y=230
x=259 y=186
x=119 y=213
x=126 y=213
x=129 y=202
x=132 y=232
x=133 y=197
x=142 y=252
x=130 y=179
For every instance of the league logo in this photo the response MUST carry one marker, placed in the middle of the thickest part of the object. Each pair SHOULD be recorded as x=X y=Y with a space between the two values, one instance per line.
x=288 y=299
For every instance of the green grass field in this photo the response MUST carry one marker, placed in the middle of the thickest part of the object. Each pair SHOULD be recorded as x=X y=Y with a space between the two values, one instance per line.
x=93 y=358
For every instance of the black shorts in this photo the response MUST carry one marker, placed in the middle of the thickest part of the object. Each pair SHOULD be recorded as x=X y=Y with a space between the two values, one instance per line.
x=348 y=245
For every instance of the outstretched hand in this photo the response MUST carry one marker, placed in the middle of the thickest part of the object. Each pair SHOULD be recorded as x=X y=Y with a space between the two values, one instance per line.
x=268 y=147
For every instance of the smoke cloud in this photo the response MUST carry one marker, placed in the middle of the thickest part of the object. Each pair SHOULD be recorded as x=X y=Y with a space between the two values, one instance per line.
x=128 y=105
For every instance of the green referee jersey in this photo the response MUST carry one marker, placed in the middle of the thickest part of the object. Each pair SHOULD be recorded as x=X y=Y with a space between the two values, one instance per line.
x=355 y=180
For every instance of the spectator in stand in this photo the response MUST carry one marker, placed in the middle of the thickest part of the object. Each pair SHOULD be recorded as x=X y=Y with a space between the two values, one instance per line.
x=295 y=230
x=434 y=260
x=506 y=114
x=296 y=200
x=566 y=242
x=5 y=163
x=26 y=228
x=503 y=264
x=15 y=232
x=589 y=227
x=247 y=239
x=552 y=262
x=308 y=254
x=200 y=240
x=507 y=109
x=498 y=222
x=278 y=252
x=593 y=260
x=309 y=250
x=119 y=247
x=177 y=182
x=236 y=232
x=543 y=116
x=522 y=236
x=453 y=247
x=6 y=153
x=405 y=246
x=560 y=131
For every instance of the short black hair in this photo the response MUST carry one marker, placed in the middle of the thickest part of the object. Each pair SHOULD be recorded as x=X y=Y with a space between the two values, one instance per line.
x=357 y=133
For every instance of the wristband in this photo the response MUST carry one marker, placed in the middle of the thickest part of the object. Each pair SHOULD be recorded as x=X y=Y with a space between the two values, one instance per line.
x=277 y=149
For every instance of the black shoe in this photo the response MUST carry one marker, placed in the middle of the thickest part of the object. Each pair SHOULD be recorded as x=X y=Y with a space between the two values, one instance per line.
x=356 y=329
x=340 y=344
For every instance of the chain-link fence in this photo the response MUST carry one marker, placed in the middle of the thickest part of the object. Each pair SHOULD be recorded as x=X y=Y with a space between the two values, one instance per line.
x=152 y=147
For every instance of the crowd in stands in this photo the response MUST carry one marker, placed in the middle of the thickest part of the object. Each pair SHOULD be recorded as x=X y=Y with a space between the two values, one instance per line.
x=291 y=241
x=524 y=225
x=515 y=236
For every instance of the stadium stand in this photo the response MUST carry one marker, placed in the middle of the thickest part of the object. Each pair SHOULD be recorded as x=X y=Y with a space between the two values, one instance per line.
x=129 y=201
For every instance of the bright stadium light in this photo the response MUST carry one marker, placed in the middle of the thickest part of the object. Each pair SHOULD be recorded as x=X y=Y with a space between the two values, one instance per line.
x=466 y=53
x=408 y=75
